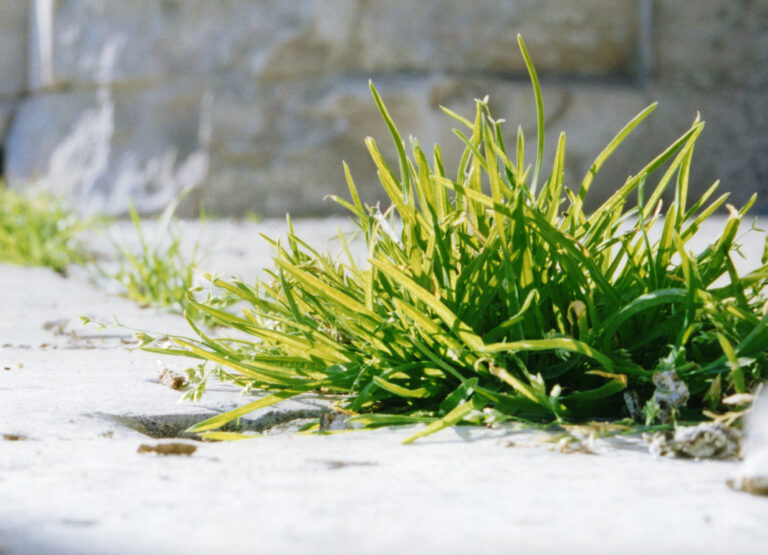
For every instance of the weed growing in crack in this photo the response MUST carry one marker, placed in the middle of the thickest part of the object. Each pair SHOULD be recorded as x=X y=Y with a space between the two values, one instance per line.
x=159 y=274
x=37 y=230
x=499 y=298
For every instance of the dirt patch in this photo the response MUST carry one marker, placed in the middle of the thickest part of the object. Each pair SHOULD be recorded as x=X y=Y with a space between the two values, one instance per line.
x=57 y=327
x=756 y=485
x=14 y=437
x=173 y=448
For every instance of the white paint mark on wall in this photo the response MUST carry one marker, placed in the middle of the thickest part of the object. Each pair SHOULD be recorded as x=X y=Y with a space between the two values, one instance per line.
x=155 y=183
x=78 y=163
x=84 y=167
x=40 y=70
x=82 y=157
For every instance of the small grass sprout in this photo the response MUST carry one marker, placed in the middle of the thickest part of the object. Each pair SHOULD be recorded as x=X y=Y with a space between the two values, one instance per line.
x=159 y=274
x=37 y=230
x=491 y=294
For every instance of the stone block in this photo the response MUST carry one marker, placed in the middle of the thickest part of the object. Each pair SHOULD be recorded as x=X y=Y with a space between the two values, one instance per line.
x=291 y=156
x=146 y=40
x=712 y=44
x=13 y=44
x=279 y=148
x=453 y=35
x=150 y=40
x=287 y=85
x=102 y=149
x=288 y=155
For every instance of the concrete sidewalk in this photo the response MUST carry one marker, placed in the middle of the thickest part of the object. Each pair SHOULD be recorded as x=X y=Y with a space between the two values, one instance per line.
x=75 y=406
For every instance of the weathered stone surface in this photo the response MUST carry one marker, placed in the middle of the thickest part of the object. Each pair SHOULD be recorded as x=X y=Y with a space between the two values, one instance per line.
x=454 y=35
x=268 y=98
x=6 y=112
x=712 y=44
x=152 y=39
x=283 y=150
x=290 y=39
x=732 y=146
x=102 y=149
x=290 y=158
x=298 y=142
x=13 y=44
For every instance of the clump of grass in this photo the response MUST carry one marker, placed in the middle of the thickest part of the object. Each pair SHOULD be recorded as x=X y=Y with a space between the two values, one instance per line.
x=491 y=294
x=159 y=274
x=37 y=230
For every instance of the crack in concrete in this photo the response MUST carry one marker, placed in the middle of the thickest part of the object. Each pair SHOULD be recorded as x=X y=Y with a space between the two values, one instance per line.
x=176 y=425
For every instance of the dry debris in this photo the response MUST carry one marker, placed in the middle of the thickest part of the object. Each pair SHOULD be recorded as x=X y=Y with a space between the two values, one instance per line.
x=671 y=394
x=333 y=421
x=57 y=327
x=570 y=445
x=756 y=485
x=708 y=440
x=14 y=437
x=172 y=448
x=172 y=379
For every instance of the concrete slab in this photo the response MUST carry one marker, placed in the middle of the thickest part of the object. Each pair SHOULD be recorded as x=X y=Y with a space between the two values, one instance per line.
x=74 y=403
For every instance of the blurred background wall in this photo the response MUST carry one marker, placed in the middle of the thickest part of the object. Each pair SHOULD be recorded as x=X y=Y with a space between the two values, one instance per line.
x=258 y=102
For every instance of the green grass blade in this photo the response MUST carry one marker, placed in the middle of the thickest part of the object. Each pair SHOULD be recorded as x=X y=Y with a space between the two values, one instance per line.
x=222 y=419
x=450 y=419
x=610 y=148
x=539 y=113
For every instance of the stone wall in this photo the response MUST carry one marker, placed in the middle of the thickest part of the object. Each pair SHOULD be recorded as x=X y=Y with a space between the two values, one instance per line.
x=256 y=103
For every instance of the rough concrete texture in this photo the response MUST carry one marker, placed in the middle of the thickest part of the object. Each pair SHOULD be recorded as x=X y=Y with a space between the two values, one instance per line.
x=259 y=102
x=75 y=408
x=713 y=46
x=13 y=47
x=296 y=39
x=327 y=122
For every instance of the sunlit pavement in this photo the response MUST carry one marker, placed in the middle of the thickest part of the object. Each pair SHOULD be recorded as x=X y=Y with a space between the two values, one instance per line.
x=76 y=405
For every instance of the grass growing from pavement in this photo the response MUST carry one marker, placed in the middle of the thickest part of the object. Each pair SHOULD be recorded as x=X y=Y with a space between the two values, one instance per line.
x=491 y=295
x=158 y=274
x=39 y=231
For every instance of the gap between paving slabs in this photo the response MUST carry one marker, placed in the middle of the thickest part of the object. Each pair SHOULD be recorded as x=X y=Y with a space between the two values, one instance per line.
x=175 y=426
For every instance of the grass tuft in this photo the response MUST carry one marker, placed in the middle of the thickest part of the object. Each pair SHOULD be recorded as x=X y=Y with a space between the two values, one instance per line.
x=159 y=274
x=39 y=231
x=490 y=296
